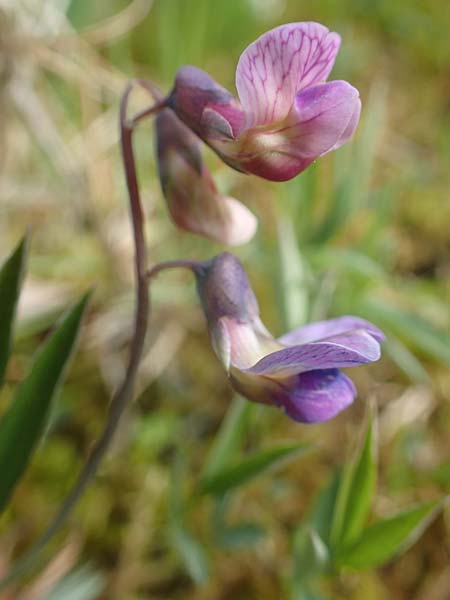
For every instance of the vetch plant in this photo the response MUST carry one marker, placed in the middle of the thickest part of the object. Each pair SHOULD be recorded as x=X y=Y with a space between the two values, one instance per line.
x=286 y=117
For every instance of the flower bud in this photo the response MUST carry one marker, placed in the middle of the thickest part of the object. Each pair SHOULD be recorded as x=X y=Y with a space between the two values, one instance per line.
x=192 y=198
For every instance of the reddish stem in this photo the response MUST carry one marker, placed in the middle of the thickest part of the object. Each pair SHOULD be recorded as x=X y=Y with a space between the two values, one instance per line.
x=124 y=393
x=171 y=264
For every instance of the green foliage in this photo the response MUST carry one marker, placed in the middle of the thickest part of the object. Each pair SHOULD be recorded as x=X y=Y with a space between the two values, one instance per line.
x=250 y=467
x=356 y=492
x=310 y=552
x=229 y=438
x=24 y=422
x=321 y=516
x=188 y=548
x=379 y=542
x=335 y=533
x=11 y=275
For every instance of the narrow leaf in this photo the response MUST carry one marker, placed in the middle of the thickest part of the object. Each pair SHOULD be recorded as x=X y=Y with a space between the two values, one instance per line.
x=293 y=276
x=363 y=487
x=25 y=420
x=188 y=548
x=229 y=437
x=356 y=492
x=310 y=553
x=321 y=514
x=250 y=467
x=382 y=540
x=11 y=275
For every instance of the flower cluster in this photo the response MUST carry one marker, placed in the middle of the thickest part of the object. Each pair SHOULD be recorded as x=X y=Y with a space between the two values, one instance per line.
x=285 y=117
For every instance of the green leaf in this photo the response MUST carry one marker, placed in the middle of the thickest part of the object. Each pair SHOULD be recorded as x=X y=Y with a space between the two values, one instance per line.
x=229 y=437
x=248 y=468
x=11 y=275
x=310 y=552
x=382 y=540
x=188 y=548
x=322 y=511
x=356 y=492
x=25 y=420
x=293 y=275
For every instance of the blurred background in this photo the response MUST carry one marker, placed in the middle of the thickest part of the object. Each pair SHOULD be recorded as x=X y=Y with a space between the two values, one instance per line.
x=363 y=231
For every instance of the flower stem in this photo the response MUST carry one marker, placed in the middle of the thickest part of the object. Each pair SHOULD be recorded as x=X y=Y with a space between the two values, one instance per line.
x=171 y=264
x=147 y=112
x=124 y=393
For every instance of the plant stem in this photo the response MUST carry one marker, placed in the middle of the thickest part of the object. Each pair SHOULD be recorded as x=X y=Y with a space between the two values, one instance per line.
x=147 y=112
x=171 y=264
x=124 y=393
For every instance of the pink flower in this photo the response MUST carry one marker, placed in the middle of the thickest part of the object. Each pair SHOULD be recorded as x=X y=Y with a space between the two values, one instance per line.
x=192 y=198
x=286 y=115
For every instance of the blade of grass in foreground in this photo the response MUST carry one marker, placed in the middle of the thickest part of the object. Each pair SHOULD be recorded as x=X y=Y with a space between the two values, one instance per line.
x=25 y=420
x=248 y=468
x=11 y=275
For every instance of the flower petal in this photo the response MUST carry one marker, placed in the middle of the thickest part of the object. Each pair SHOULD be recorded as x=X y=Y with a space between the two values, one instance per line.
x=350 y=129
x=324 y=329
x=280 y=63
x=322 y=118
x=192 y=197
x=317 y=396
x=206 y=107
x=309 y=397
x=348 y=349
x=225 y=291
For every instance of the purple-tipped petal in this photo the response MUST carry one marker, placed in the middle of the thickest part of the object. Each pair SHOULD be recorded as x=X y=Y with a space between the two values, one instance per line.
x=324 y=329
x=348 y=349
x=350 y=129
x=206 y=107
x=317 y=396
x=280 y=63
x=192 y=197
x=322 y=118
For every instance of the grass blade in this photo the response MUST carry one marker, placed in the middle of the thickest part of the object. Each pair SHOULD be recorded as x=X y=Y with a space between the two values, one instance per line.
x=24 y=422
x=356 y=492
x=229 y=437
x=11 y=275
x=385 y=538
x=248 y=468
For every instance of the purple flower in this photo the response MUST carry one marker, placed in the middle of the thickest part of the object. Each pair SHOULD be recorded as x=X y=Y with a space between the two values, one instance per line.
x=299 y=372
x=286 y=115
x=191 y=195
